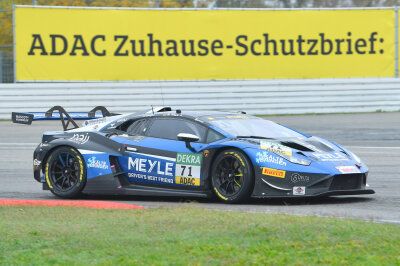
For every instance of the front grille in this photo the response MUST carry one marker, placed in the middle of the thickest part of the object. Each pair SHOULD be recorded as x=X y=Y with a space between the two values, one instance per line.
x=347 y=182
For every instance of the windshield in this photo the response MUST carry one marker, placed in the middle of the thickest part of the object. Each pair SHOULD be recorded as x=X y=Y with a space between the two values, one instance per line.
x=255 y=127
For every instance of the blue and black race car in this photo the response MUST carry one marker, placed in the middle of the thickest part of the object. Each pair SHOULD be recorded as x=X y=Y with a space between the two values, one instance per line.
x=163 y=152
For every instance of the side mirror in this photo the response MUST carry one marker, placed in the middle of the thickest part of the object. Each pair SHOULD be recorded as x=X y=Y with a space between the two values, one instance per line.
x=187 y=138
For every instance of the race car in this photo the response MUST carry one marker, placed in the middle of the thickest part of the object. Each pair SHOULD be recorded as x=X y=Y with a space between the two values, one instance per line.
x=163 y=152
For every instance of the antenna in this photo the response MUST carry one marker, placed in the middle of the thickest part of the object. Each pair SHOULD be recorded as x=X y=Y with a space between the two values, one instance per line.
x=152 y=109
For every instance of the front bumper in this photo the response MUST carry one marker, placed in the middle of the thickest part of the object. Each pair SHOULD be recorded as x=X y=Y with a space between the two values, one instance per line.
x=294 y=184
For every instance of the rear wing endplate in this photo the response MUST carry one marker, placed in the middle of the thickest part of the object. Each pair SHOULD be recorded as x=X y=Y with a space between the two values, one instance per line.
x=59 y=113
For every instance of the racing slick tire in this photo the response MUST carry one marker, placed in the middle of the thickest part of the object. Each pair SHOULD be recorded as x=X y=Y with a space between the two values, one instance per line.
x=65 y=172
x=232 y=176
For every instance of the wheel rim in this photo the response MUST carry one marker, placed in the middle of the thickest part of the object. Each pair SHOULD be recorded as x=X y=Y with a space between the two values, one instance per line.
x=65 y=171
x=229 y=176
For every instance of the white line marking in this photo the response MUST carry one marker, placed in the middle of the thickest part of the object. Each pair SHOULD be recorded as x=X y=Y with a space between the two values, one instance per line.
x=367 y=147
x=18 y=144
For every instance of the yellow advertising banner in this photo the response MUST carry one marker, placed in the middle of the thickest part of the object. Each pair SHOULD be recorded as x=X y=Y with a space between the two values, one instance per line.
x=78 y=44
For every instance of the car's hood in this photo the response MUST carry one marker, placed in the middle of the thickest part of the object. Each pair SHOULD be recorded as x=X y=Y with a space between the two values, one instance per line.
x=314 y=149
x=293 y=145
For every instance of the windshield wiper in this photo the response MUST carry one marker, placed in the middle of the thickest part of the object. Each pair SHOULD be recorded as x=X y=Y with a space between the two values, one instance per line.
x=253 y=137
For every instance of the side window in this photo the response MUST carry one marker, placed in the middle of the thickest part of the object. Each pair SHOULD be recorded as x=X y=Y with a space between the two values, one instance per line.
x=213 y=135
x=138 y=127
x=169 y=128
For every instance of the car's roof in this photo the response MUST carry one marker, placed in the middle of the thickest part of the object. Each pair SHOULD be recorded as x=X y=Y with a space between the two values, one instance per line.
x=207 y=115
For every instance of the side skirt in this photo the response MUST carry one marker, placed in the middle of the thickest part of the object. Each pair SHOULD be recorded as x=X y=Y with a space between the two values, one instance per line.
x=117 y=184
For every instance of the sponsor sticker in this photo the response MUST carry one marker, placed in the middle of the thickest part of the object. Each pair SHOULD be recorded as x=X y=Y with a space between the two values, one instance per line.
x=299 y=190
x=237 y=117
x=36 y=162
x=273 y=172
x=22 y=118
x=275 y=147
x=188 y=169
x=94 y=163
x=80 y=138
x=95 y=121
x=348 y=169
x=296 y=177
x=151 y=169
x=264 y=157
x=330 y=157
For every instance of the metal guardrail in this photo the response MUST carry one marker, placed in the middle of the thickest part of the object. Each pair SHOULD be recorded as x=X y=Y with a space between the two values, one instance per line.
x=254 y=97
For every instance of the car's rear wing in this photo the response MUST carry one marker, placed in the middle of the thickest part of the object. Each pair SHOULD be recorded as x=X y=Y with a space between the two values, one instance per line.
x=65 y=117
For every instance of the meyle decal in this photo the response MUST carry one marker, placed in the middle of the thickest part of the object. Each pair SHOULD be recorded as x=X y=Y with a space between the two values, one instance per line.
x=188 y=169
x=94 y=163
x=332 y=157
x=348 y=169
x=264 y=157
x=275 y=147
x=273 y=172
x=44 y=145
x=299 y=190
x=296 y=177
x=80 y=138
x=146 y=168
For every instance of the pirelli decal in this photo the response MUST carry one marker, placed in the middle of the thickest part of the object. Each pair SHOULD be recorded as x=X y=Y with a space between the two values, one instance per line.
x=273 y=172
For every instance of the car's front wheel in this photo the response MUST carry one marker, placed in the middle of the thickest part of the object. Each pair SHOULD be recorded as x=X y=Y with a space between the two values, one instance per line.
x=232 y=176
x=65 y=172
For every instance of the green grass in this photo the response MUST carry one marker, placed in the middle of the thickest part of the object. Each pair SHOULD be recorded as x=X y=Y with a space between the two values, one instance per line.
x=70 y=236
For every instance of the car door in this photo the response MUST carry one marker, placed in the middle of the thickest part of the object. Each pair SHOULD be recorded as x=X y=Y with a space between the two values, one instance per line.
x=157 y=158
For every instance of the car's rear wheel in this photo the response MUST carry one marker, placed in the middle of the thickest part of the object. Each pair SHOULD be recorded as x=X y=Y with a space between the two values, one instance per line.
x=232 y=176
x=65 y=172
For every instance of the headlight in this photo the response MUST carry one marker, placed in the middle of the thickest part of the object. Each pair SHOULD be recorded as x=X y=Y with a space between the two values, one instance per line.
x=295 y=159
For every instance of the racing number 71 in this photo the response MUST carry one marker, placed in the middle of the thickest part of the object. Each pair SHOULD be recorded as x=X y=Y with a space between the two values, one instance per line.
x=183 y=167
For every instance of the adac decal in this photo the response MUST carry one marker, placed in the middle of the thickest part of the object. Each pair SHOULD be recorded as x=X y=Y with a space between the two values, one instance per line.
x=275 y=147
x=273 y=172
x=330 y=157
x=188 y=169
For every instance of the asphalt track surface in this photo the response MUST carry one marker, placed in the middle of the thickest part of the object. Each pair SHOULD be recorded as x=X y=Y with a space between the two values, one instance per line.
x=374 y=137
